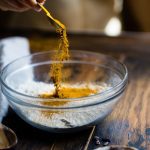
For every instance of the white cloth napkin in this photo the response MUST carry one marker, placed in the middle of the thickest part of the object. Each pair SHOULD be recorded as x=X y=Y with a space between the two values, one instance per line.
x=10 y=49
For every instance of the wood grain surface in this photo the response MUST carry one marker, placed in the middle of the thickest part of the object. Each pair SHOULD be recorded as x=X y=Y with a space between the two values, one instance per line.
x=128 y=124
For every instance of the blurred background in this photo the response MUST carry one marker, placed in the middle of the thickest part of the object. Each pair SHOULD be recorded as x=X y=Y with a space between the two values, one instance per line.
x=109 y=16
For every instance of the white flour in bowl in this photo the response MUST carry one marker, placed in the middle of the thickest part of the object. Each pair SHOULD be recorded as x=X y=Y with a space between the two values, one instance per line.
x=64 y=118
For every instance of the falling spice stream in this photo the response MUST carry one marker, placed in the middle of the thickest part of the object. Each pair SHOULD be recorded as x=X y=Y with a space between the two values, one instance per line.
x=62 y=53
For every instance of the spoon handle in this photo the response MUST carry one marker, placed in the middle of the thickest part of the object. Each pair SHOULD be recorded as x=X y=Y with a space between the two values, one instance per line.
x=56 y=23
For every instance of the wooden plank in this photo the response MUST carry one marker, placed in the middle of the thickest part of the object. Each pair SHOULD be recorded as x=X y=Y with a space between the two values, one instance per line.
x=128 y=124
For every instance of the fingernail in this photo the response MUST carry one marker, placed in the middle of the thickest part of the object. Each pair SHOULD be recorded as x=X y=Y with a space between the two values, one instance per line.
x=40 y=1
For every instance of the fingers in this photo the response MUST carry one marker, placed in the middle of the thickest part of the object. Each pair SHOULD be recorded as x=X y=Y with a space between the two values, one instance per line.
x=12 y=5
x=33 y=4
x=20 y=5
x=30 y=4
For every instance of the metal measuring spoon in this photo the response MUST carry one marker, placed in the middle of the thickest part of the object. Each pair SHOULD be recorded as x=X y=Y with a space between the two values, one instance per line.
x=8 y=138
x=56 y=23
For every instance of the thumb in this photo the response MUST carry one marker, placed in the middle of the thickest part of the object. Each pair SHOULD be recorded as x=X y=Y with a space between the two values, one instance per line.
x=37 y=8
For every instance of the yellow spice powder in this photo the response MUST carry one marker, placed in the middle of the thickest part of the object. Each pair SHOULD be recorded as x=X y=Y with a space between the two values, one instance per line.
x=69 y=92
x=64 y=92
x=55 y=73
x=61 y=55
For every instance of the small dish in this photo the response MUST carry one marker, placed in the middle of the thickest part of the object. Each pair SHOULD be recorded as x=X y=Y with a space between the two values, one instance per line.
x=8 y=138
x=24 y=78
x=116 y=147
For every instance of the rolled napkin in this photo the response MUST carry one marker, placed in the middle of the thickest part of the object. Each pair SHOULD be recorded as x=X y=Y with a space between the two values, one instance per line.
x=10 y=49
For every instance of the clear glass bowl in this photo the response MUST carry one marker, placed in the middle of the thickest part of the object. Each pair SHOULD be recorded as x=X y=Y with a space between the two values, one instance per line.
x=25 y=77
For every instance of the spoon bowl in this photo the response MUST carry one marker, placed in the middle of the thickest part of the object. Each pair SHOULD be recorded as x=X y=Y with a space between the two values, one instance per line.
x=8 y=138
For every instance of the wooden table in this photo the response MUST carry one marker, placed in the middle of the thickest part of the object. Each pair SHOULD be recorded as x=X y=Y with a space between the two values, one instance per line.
x=128 y=124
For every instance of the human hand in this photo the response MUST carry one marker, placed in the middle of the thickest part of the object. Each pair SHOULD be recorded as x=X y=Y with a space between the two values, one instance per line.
x=20 y=5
